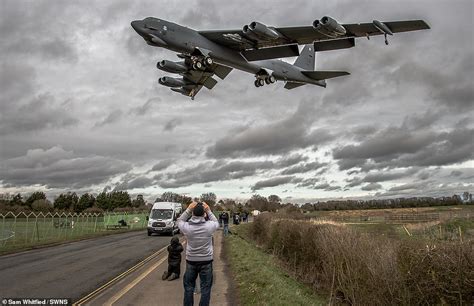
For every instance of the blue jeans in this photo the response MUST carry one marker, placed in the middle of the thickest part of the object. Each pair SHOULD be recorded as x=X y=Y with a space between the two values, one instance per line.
x=189 y=281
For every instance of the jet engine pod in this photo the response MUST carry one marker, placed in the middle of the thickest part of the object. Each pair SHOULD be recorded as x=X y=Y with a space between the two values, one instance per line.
x=258 y=31
x=171 y=82
x=329 y=27
x=172 y=67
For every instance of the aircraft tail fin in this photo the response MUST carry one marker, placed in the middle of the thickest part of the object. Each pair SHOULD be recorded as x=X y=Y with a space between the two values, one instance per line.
x=324 y=75
x=307 y=58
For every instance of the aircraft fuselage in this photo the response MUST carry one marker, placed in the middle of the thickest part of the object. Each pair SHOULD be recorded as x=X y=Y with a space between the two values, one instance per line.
x=169 y=35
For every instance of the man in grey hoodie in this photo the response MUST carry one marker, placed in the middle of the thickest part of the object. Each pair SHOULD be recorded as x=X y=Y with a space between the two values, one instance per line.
x=199 y=250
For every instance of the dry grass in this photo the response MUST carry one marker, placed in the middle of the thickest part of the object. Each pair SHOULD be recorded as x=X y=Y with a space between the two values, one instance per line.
x=363 y=269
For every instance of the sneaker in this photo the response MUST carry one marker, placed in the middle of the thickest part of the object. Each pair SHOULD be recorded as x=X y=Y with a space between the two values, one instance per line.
x=173 y=276
x=165 y=275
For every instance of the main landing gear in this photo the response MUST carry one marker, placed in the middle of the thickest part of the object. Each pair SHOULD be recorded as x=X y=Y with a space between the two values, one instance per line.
x=260 y=81
x=200 y=63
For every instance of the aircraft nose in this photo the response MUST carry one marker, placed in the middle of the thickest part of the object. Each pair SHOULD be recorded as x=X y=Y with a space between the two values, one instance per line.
x=138 y=26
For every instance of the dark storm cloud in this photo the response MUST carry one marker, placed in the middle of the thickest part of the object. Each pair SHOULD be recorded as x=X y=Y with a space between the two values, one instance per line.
x=213 y=171
x=224 y=170
x=276 y=181
x=326 y=187
x=138 y=182
x=387 y=176
x=403 y=147
x=390 y=142
x=371 y=187
x=309 y=182
x=162 y=165
x=57 y=168
x=303 y=168
x=274 y=138
x=410 y=186
x=39 y=113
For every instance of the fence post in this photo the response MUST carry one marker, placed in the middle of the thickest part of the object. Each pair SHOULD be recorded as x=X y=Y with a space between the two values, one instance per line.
x=95 y=222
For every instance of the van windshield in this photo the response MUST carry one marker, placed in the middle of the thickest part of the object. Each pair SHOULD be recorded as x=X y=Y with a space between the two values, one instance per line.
x=161 y=214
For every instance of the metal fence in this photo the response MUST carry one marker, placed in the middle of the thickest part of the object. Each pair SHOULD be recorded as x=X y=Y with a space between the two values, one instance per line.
x=23 y=230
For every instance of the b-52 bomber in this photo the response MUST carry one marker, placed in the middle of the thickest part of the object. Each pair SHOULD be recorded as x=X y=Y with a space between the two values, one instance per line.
x=255 y=48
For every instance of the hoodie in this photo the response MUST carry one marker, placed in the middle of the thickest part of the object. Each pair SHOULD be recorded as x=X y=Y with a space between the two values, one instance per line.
x=174 y=252
x=198 y=233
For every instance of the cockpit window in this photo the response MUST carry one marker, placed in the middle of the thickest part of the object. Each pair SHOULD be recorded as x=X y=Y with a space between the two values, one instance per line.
x=151 y=26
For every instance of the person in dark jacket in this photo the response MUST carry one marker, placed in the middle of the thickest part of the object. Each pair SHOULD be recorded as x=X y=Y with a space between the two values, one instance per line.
x=174 y=260
x=224 y=217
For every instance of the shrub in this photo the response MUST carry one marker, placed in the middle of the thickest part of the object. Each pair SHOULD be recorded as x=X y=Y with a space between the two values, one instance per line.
x=94 y=210
x=363 y=269
x=42 y=206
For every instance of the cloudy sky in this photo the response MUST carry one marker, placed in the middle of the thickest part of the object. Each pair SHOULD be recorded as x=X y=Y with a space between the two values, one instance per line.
x=80 y=107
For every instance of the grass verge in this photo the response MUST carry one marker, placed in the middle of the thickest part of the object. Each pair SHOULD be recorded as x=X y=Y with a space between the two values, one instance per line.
x=259 y=278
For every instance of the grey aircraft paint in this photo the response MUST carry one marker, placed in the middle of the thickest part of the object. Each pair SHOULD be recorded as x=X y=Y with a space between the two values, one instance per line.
x=205 y=51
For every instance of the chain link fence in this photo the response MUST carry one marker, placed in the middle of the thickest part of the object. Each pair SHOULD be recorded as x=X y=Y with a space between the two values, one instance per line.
x=22 y=230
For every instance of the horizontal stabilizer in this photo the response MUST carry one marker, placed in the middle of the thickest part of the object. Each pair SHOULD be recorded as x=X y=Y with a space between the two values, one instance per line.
x=335 y=44
x=291 y=85
x=271 y=53
x=324 y=75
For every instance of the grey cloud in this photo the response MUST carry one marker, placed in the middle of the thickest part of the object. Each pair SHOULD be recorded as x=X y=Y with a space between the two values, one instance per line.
x=309 y=182
x=172 y=124
x=138 y=182
x=401 y=147
x=456 y=173
x=276 y=181
x=42 y=112
x=390 y=142
x=273 y=138
x=387 y=176
x=57 y=168
x=162 y=165
x=211 y=172
x=326 y=187
x=113 y=117
x=303 y=168
x=372 y=187
x=407 y=187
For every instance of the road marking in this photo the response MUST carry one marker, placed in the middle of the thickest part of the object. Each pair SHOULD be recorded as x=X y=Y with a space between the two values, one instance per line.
x=127 y=288
x=110 y=283
x=118 y=277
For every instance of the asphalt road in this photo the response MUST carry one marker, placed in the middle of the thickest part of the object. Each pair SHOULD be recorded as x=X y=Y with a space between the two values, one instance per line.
x=75 y=269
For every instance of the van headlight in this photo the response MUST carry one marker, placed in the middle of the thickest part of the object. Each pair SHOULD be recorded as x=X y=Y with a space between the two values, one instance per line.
x=150 y=223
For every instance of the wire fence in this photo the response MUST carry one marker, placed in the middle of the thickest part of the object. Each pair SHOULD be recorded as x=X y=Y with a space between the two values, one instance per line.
x=22 y=230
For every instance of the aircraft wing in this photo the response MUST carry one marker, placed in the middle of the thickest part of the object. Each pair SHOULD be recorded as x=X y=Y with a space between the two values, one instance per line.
x=197 y=79
x=237 y=40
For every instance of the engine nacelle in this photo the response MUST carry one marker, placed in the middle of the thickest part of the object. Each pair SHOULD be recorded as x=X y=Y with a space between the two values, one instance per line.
x=172 y=67
x=258 y=31
x=329 y=27
x=171 y=82
x=182 y=90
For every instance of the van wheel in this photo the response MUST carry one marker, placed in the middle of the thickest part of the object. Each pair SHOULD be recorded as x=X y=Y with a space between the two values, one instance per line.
x=149 y=233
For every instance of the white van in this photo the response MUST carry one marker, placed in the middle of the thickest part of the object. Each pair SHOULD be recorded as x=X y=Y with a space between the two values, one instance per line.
x=163 y=217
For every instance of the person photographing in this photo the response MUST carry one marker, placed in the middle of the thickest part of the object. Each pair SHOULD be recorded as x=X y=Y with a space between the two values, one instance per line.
x=199 y=250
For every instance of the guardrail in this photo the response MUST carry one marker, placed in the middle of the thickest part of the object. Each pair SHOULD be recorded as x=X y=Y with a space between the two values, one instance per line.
x=22 y=230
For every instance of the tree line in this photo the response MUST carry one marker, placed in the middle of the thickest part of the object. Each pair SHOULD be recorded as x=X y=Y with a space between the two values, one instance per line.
x=121 y=201
x=71 y=202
